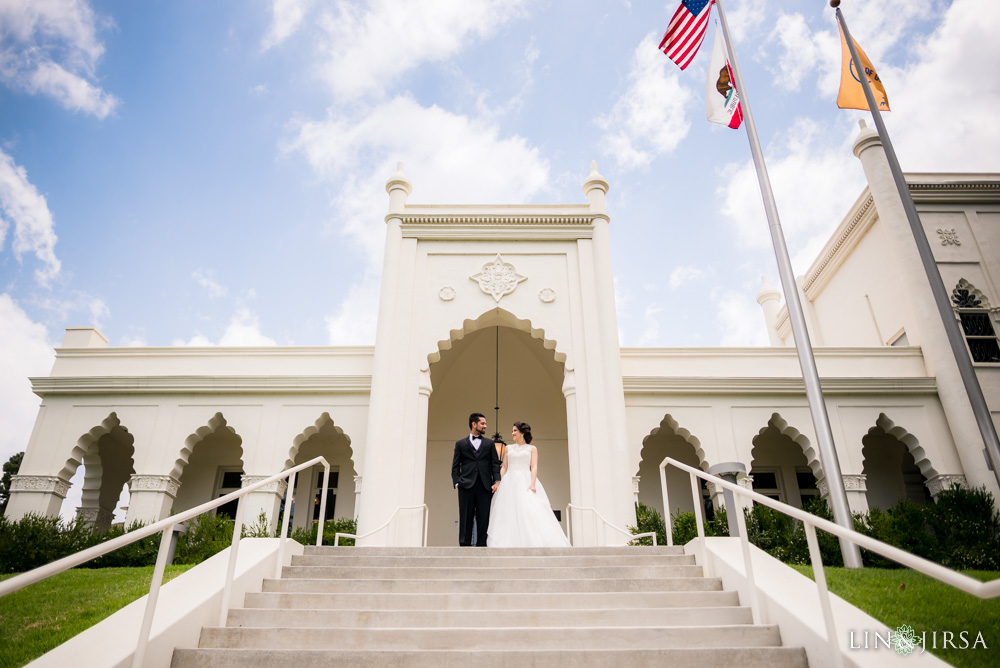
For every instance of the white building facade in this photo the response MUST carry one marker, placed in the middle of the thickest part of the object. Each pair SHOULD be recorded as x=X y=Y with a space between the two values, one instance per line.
x=513 y=306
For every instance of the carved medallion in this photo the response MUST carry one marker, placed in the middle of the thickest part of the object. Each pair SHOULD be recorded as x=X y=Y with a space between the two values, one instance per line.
x=949 y=237
x=447 y=293
x=498 y=278
x=547 y=295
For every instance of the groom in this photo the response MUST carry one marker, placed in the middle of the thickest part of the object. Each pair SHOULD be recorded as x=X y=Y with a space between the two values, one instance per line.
x=475 y=471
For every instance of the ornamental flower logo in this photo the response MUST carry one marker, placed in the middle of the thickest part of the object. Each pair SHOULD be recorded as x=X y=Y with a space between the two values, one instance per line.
x=498 y=278
x=904 y=640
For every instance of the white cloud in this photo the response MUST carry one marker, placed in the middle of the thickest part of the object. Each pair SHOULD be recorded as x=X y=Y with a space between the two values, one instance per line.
x=951 y=129
x=356 y=318
x=206 y=279
x=286 y=17
x=51 y=48
x=814 y=184
x=22 y=205
x=243 y=330
x=367 y=46
x=450 y=158
x=686 y=274
x=25 y=353
x=740 y=320
x=649 y=118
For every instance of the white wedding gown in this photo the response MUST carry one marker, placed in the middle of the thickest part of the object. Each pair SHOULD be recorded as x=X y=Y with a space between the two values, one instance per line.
x=518 y=517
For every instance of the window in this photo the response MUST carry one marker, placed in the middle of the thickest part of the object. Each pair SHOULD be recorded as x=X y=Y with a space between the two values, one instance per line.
x=807 y=485
x=976 y=325
x=331 y=494
x=227 y=481
x=767 y=481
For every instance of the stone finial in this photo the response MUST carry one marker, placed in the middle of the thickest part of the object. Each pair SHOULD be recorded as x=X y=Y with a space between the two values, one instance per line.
x=399 y=188
x=595 y=188
x=866 y=138
x=767 y=291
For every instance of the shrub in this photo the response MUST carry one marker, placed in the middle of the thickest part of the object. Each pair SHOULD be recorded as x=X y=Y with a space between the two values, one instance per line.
x=777 y=534
x=648 y=519
x=35 y=540
x=206 y=535
x=685 y=525
x=903 y=525
x=965 y=526
x=307 y=536
x=140 y=553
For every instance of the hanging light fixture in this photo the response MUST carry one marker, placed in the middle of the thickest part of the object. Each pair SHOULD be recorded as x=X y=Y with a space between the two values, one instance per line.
x=497 y=438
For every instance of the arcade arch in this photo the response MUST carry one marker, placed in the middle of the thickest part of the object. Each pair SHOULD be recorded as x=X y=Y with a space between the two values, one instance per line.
x=464 y=379
x=106 y=456
x=895 y=465
x=669 y=440
x=210 y=465
x=326 y=439
x=784 y=465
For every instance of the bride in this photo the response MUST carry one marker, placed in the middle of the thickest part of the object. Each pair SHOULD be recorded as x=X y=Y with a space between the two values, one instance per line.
x=520 y=514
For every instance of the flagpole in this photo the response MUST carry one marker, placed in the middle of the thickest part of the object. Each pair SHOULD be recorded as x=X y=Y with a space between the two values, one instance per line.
x=941 y=300
x=807 y=362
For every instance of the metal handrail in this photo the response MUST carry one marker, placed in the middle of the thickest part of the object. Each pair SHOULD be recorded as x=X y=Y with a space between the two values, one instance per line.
x=166 y=527
x=339 y=534
x=569 y=525
x=811 y=522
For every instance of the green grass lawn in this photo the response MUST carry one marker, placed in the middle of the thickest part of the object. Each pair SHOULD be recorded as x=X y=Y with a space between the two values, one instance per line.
x=46 y=614
x=901 y=596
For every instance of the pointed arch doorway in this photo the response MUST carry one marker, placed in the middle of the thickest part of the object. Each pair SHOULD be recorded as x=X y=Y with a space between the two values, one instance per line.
x=529 y=389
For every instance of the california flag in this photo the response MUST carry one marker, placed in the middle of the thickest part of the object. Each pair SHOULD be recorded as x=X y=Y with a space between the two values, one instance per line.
x=722 y=102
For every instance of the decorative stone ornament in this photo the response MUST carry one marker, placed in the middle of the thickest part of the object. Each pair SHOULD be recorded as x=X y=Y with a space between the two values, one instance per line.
x=447 y=293
x=548 y=295
x=48 y=484
x=498 y=278
x=949 y=237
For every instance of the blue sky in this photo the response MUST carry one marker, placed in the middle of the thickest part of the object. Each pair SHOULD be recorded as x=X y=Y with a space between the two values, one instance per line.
x=212 y=173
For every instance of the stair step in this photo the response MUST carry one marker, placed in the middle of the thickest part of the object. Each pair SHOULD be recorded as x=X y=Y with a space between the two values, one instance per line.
x=350 y=558
x=561 y=638
x=462 y=552
x=420 y=572
x=718 y=657
x=492 y=586
x=502 y=601
x=486 y=618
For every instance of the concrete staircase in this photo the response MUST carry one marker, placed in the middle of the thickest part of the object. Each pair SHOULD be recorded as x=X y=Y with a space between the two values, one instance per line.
x=439 y=607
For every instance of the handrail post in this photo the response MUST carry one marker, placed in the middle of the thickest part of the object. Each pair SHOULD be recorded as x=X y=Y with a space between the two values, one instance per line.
x=286 y=518
x=233 y=552
x=154 y=592
x=699 y=520
x=322 y=504
x=816 y=558
x=741 y=522
x=427 y=519
x=668 y=520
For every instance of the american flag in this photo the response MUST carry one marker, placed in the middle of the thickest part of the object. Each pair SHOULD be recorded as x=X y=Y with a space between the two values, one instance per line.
x=686 y=31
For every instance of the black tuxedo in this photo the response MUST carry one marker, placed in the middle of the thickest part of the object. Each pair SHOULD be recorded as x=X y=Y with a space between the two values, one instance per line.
x=473 y=472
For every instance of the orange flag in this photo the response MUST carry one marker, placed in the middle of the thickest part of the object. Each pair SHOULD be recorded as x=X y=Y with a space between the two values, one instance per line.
x=852 y=95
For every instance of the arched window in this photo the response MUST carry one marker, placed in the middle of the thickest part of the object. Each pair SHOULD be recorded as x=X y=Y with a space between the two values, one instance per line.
x=976 y=323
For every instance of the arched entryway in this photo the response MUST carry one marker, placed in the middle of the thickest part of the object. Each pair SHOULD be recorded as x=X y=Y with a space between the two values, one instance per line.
x=890 y=468
x=783 y=465
x=210 y=466
x=102 y=464
x=327 y=440
x=669 y=440
x=464 y=380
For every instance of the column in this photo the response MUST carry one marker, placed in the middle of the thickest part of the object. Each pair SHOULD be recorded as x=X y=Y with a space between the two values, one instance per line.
x=151 y=498
x=38 y=494
x=267 y=500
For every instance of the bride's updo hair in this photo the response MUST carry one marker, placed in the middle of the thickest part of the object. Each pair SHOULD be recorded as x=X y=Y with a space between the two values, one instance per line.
x=525 y=430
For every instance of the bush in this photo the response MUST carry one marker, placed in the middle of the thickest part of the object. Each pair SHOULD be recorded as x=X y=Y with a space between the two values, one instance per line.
x=35 y=540
x=777 y=534
x=904 y=526
x=965 y=526
x=206 y=535
x=140 y=553
x=306 y=536
x=685 y=526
